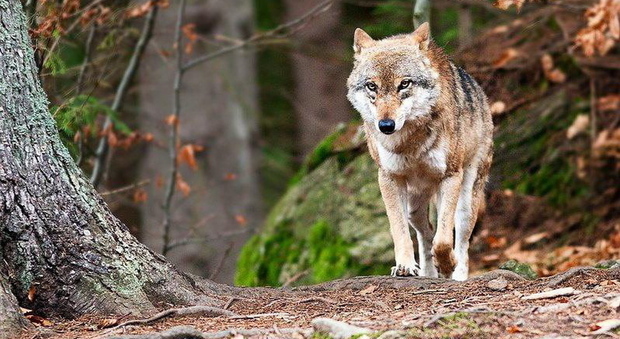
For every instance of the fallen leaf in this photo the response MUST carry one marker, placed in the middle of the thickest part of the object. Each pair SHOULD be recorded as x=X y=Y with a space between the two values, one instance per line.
x=368 y=290
x=109 y=322
x=514 y=329
x=579 y=125
x=32 y=292
x=39 y=320
x=497 y=108
x=506 y=57
x=605 y=326
x=495 y=242
x=230 y=176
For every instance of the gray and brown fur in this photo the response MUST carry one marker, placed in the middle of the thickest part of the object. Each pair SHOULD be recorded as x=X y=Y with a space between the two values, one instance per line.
x=440 y=150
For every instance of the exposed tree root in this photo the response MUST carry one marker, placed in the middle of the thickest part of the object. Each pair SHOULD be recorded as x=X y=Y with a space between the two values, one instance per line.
x=188 y=332
x=565 y=276
x=207 y=311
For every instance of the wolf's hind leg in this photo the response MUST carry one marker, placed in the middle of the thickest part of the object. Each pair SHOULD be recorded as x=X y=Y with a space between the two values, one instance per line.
x=470 y=200
x=394 y=193
x=418 y=208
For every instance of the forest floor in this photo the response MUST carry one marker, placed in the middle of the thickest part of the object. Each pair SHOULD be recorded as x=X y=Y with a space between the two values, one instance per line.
x=496 y=304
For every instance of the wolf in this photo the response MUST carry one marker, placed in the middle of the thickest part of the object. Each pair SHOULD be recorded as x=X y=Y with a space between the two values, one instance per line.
x=429 y=129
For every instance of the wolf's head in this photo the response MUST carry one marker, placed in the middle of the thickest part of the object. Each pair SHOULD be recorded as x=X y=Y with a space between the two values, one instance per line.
x=393 y=81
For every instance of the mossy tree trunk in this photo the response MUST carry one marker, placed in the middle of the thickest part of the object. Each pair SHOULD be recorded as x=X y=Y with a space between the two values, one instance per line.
x=58 y=239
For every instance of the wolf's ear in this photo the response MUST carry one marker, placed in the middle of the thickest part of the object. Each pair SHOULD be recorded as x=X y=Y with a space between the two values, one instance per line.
x=361 y=40
x=422 y=36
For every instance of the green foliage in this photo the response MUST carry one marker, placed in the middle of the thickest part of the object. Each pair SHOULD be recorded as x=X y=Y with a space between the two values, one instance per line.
x=83 y=111
x=56 y=64
x=521 y=269
x=390 y=18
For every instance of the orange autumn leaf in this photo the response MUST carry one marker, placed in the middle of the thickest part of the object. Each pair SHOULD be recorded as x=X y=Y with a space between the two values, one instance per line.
x=171 y=120
x=241 y=220
x=183 y=186
x=140 y=195
x=506 y=57
x=514 y=329
x=230 y=176
x=189 y=30
x=505 y=4
x=187 y=154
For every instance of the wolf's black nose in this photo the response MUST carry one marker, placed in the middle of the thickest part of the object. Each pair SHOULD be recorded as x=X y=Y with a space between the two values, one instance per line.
x=387 y=126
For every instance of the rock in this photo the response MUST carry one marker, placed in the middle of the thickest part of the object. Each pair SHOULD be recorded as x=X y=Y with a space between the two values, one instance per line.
x=337 y=329
x=497 y=284
x=608 y=264
x=393 y=335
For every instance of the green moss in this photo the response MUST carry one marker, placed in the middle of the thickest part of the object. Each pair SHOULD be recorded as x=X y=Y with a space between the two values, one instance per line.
x=521 y=269
x=533 y=155
x=330 y=225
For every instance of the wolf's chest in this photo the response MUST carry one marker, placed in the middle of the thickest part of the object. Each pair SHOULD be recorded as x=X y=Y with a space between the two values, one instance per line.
x=432 y=161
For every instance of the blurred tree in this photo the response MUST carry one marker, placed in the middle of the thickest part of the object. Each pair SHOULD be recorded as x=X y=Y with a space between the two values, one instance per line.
x=320 y=73
x=218 y=112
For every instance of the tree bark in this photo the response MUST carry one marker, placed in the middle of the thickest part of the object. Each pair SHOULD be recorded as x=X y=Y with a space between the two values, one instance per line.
x=58 y=238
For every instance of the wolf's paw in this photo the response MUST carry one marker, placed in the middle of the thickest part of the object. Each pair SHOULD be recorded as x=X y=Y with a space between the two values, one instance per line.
x=404 y=271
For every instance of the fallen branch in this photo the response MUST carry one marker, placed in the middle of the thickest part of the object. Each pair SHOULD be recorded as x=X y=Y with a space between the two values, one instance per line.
x=260 y=315
x=560 y=292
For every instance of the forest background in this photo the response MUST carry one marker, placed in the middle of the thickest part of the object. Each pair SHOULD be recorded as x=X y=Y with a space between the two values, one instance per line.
x=231 y=148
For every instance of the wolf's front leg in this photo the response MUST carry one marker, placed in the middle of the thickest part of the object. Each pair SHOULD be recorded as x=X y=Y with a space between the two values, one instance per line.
x=418 y=216
x=443 y=254
x=394 y=193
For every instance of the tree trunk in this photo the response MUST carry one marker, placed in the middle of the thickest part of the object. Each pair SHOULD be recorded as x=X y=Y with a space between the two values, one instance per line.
x=218 y=111
x=58 y=238
x=320 y=74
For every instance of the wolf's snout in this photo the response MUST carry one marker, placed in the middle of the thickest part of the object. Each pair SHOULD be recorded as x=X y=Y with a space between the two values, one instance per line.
x=387 y=126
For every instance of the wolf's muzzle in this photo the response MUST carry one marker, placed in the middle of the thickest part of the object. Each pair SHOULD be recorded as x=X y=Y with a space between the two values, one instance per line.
x=387 y=126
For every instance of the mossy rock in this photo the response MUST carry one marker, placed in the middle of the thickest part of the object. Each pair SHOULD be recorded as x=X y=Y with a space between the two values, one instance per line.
x=330 y=224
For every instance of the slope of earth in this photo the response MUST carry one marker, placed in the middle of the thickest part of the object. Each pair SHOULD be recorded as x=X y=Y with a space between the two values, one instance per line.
x=494 y=305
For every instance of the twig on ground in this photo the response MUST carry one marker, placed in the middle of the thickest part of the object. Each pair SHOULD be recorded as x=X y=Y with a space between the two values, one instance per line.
x=325 y=300
x=121 y=91
x=260 y=315
x=438 y=291
x=560 y=292
x=230 y=302
x=174 y=127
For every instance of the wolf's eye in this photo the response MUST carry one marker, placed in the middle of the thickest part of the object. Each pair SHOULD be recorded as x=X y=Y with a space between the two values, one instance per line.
x=371 y=86
x=404 y=84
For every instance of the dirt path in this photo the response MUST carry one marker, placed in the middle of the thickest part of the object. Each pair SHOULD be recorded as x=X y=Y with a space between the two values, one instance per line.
x=492 y=305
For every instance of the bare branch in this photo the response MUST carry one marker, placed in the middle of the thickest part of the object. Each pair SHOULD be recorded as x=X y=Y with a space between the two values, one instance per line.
x=263 y=37
x=194 y=240
x=174 y=127
x=126 y=188
x=130 y=71
x=87 y=57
